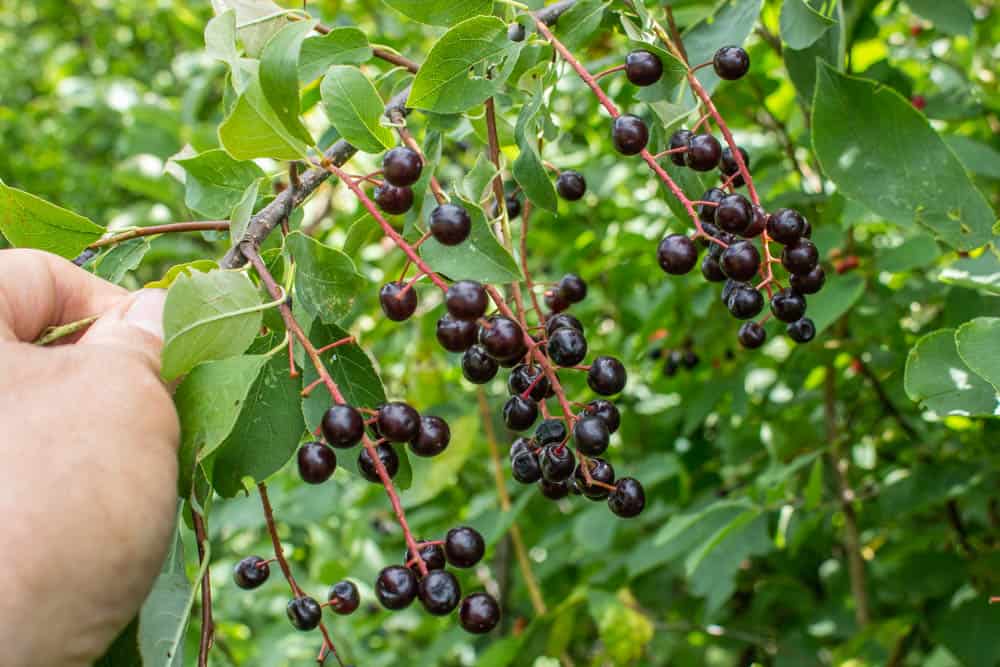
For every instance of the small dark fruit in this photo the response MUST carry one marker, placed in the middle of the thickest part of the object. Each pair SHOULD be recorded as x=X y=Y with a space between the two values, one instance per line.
x=561 y=321
x=745 y=302
x=555 y=490
x=439 y=592
x=466 y=300
x=251 y=572
x=555 y=300
x=677 y=254
x=573 y=287
x=600 y=471
x=434 y=436
x=786 y=226
x=705 y=212
x=450 y=224
x=679 y=139
x=571 y=185
x=734 y=214
x=808 y=283
x=393 y=200
x=740 y=261
x=557 y=462
x=304 y=613
x=591 y=436
x=606 y=376
x=397 y=300
x=398 y=421
x=342 y=426
x=757 y=225
x=711 y=269
x=550 y=431
x=629 y=134
x=464 y=547
x=431 y=554
x=317 y=462
x=731 y=63
x=801 y=331
x=800 y=257
x=344 y=598
x=752 y=335
x=502 y=339
x=386 y=454
x=643 y=68
x=402 y=166
x=788 y=305
x=395 y=587
x=513 y=205
x=520 y=413
x=703 y=153
x=456 y=335
x=479 y=613
x=477 y=366
x=729 y=167
x=606 y=411
x=628 y=498
x=525 y=468
x=515 y=32
x=567 y=347
x=525 y=377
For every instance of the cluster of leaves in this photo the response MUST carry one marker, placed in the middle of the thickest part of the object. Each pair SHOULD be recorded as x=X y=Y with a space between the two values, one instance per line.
x=876 y=119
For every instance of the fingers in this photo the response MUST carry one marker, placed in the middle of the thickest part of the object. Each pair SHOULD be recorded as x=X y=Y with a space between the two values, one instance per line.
x=135 y=325
x=39 y=290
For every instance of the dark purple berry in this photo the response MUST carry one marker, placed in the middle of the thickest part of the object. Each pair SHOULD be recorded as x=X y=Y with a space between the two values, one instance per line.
x=317 y=462
x=606 y=411
x=591 y=436
x=703 y=153
x=398 y=421
x=573 y=287
x=628 y=498
x=450 y=224
x=600 y=471
x=734 y=214
x=344 y=598
x=515 y=32
x=740 y=261
x=629 y=134
x=729 y=167
x=519 y=413
x=557 y=462
x=550 y=431
x=304 y=613
x=711 y=270
x=397 y=300
x=464 y=547
x=808 y=283
x=513 y=205
x=606 y=376
x=479 y=613
x=786 y=226
x=752 y=335
x=431 y=554
x=477 y=366
x=456 y=335
x=643 y=68
x=525 y=376
x=788 y=305
x=433 y=437
x=554 y=490
x=396 y=587
x=679 y=139
x=392 y=199
x=525 y=468
x=466 y=300
x=502 y=338
x=677 y=254
x=705 y=212
x=800 y=257
x=555 y=300
x=571 y=185
x=386 y=454
x=745 y=302
x=567 y=347
x=801 y=331
x=439 y=592
x=251 y=572
x=402 y=166
x=561 y=321
x=757 y=224
x=731 y=62
x=342 y=426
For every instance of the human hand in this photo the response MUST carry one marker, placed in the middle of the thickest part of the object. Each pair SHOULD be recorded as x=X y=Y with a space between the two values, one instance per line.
x=89 y=473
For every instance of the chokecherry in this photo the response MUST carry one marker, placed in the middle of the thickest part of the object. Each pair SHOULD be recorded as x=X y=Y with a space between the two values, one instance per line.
x=439 y=592
x=397 y=300
x=304 y=613
x=431 y=554
x=433 y=438
x=557 y=462
x=402 y=166
x=676 y=254
x=744 y=302
x=752 y=335
x=525 y=376
x=251 y=572
x=788 y=305
x=342 y=426
x=801 y=331
x=526 y=468
x=734 y=214
x=519 y=412
x=606 y=376
x=478 y=367
x=479 y=613
x=706 y=212
x=757 y=225
x=573 y=287
x=392 y=199
x=567 y=347
x=643 y=68
x=601 y=471
x=398 y=421
x=386 y=454
x=729 y=167
x=502 y=338
x=466 y=300
x=396 y=587
x=808 y=283
x=562 y=321
x=786 y=226
x=456 y=335
x=344 y=598
x=800 y=257
x=450 y=224
x=317 y=462
x=628 y=498
x=606 y=411
x=555 y=300
x=629 y=134
x=679 y=139
x=591 y=436
x=731 y=62
x=711 y=269
x=703 y=153
x=740 y=261
x=571 y=185
x=464 y=546
x=515 y=32
x=551 y=430
x=554 y=490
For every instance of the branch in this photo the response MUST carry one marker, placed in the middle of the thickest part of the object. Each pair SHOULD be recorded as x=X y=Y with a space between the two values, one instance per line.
x=154 y=230
x=207 y=624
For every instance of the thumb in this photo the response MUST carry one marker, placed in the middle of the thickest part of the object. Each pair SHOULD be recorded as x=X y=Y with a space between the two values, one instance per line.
x=136 y=326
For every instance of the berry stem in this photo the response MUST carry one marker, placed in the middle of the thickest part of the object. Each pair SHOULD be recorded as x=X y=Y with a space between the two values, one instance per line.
x=525 y=215
x=349 y=340
x=611 y=70
x=412 y=144
x=207 y=636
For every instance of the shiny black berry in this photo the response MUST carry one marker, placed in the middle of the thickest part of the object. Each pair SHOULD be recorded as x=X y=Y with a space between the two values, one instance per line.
x=677 y=254
x=731 y=62
x=464 y=547
x=525 y=468
x=551 y=430
x=317 y=462
x=752 y=335
x=251 y=572
x=734 y=214
x=600 y=471
x=433 y=438
x=800 y=257
x=745 y=302
x=555 y=490
x=450 y=224
x=740 y=261
x=705 y=212
x=342 y=426
x=520 y=413
x=808 y=283
x=477 y=366
x=571 y=185
x=522 y=444
x=628 y=498
x=396 y=587
x=606 y=376
x=555 y=300
x=466 y=300
x=629 y=134
x=515 y=32
x=729 y=167
x=479 y=613
x=513 y=205
x=573 y=287
x=690 y=359
x=502 y=338
x=643 y=68
x=344 y=598
x=431 y=554
x=606 y=411
x=386 y=454
x=456 y=335
x=402 y=166
x=525 y=377
x=398 y=421
x=567 y=347
x=591 y=436
x=788 y=305
x=392 y=199
x=801 y=331
x=398 y=302
x=304 y=613
x=786 y=226
x=757 y=224
x=711 y=269
x=679 y=139
x=439 y=592
x=703 y=153
x=561 y=321
x=557 y=462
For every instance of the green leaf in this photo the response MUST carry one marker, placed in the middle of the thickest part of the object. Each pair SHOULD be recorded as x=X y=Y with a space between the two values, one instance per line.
x=164 y=614
x=441 y=12
x=801 y=63
x=256 y=21
x=939 y=380
x=477 y=181
x=580 y=22
x=216 y=182
x=267 y=432
x=279 y=80
x=801 y=25
x=838 y=296
x=969 y=631
x=528 y=170
x=220 y=39
x=624 y=630
x=916 y=252
x=362 y=232
x=354 y=107
x=253 y=130
x=186 y=269
x=340 y=46
x=480 y=257
x=208 y=316
x=951 y=16
x=239 y=219
x=882 y=152
x=713 y=566
x=124 y=257
x=452 y=78
x=30 y=222
x=979 y=273
x=979 y=158
x=978 y=344
x=730 y=24
x=326 y=281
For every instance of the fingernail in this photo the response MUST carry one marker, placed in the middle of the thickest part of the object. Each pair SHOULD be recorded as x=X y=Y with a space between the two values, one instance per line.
x=146 y=311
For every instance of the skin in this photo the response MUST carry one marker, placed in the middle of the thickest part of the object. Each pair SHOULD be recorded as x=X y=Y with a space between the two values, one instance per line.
x=88 y=443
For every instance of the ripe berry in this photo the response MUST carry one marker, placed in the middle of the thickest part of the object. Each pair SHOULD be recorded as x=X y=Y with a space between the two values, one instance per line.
x=251 y=572
x=731 y=62
x=677 y=254
x=757 y=224
x=551 y=430
x=690 y=359
x=740 y=261
x=557 y=462
x=525 y=468
x=397 y=304
x=513 y=205
x=643 y=68
x=477 y=366
x=342 y=426
x=561 y=321
x=606 y=376
x=606 y=411
x=629 y=134
x=402 y=166
x=734 y=214
x=601 y=471
x=304 y=613
x=801 y=331
x=807 y=230
x=466 y=300
x=703 y=153
x=431 y=554
x=396 y=587
x=808 y=283
x=707 y=213
x=567 y=347
x=502 y=339
x=679 y=139
x=788 y=305
x=752 y=335
x=450 y=224
x=344 y=598
x=386 y=454
x=628 y=498
x=729 y=167
x=515 y=32
x=464 y=547
x=785 y=226
x=573 y=287
x=571 y=185
x=524 y=376
x=711 y=270
x=555 y=301
x=439 y=592
x=745 y=302
x=316 y=462
x=456 y=335
x=398 y=421
x=800 y=258
x=479 y=613
x=519 y=413
x=392 y=199
x=434 y=436
x=591 y=436
x=554 y=490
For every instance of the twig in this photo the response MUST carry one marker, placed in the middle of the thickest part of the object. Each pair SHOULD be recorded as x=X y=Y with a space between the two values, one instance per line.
x=207 y=624
x=153 y=230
